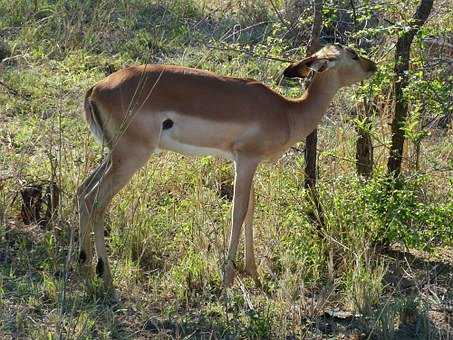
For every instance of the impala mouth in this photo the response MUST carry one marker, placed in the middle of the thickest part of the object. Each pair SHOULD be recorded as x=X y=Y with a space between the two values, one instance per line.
x=372 y=68
x=369 y=74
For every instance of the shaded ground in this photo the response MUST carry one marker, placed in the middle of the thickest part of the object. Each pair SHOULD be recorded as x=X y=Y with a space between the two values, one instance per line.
x=32 y=304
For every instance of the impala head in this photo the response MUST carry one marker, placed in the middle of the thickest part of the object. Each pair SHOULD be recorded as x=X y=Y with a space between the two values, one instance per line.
x=340 y=62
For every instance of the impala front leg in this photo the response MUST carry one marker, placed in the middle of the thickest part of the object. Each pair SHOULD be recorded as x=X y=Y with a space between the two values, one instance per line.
x=245 y=168
x=250 y=265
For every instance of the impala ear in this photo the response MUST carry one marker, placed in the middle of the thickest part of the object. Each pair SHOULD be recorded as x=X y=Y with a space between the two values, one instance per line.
x=299 y=69
x=302 y=68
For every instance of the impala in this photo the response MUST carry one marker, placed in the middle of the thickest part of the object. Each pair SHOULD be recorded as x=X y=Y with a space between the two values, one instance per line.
x=140 y=109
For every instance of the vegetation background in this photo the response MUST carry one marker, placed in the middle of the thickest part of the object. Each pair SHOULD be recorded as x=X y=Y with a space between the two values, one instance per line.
x=378 y=267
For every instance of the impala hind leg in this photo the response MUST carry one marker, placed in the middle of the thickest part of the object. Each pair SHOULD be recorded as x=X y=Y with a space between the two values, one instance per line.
x=85 y=226
x=123 y=164
x=245 y=168
x=250 y=265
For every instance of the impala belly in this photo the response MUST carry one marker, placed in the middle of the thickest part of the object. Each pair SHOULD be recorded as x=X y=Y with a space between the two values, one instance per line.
x=194 y=136
x=167 y=142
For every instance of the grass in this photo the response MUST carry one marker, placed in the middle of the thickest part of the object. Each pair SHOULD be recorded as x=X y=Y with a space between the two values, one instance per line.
x=167 y=229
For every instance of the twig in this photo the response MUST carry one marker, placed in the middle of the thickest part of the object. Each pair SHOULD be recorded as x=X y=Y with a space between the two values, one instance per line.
x=279 y=15
x=251 y=54
x=386 y=52
x=246 y=295
x=225 y=37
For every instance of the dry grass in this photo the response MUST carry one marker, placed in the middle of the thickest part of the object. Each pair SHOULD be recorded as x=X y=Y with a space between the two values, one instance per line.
x=167 y=229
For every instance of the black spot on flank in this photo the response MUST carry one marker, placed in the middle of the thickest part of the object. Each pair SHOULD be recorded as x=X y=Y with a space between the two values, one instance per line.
x=167 y=124
x=100 y=267
x=82 y=257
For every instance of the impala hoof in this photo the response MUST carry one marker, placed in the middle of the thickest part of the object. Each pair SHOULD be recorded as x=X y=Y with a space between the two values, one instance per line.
x=100 y=268
x=86 y=271
x=251 y=273
x=228 y=275
x=82 y=257
x=103 y=271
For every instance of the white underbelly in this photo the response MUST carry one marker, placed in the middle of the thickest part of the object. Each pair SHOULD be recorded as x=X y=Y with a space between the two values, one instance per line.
x=168 y=143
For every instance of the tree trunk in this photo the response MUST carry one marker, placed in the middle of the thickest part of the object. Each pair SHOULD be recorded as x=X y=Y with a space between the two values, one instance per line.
x=402 y=56
x=312 y=139
x=310 y=159
x=364 y=145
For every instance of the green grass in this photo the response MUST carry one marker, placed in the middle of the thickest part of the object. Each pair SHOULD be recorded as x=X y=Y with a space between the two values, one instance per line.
x=167 y=230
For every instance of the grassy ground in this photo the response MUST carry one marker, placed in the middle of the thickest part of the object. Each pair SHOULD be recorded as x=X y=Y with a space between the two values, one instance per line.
x=167 y=229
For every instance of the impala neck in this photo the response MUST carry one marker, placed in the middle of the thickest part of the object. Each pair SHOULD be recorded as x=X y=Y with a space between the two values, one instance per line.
x=307 y=112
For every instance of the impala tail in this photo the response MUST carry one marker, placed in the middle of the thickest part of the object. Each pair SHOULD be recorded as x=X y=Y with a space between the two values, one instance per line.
x=93 y=118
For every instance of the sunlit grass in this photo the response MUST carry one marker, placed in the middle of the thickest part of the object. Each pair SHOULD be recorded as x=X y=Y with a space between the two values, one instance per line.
x=167 y=230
